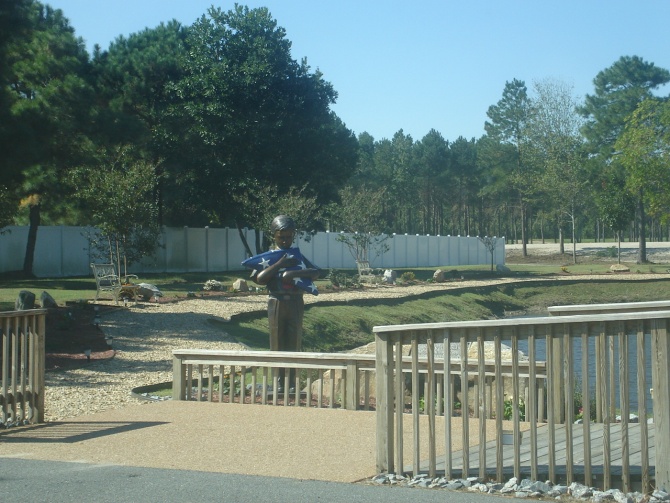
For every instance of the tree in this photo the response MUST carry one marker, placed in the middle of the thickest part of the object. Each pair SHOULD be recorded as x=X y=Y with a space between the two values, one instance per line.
x=49 y=102
x=508 y=125
x=359 y=218
x=616 y=206
x=248 y=111
x=619 y=89
x=260 y=203
x=555 y=143
x=644 y=147
x=431 y=179
x=132 y=79
x=119 y=190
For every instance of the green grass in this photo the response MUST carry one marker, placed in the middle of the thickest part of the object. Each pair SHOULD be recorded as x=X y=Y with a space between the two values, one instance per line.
x=338 y=326
x=331 y=327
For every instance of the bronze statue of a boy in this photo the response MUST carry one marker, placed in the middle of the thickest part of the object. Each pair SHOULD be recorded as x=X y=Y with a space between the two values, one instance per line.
x=285 y=301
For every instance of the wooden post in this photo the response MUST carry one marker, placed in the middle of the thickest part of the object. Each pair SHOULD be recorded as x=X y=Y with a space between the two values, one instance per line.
x=384 y=413
x=660 y=374
x=40 y=366
x=351 y=394
x=179 y=378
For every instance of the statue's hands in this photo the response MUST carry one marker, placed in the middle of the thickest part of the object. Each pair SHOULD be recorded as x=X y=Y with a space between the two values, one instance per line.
x=287 y=261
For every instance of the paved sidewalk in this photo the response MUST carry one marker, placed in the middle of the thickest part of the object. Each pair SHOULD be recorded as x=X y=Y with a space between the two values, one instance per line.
x=277 y=441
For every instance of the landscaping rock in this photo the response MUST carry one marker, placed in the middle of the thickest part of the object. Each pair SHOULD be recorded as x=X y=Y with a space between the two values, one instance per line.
x=240 y=285
x=47 y=301
x=25 y=301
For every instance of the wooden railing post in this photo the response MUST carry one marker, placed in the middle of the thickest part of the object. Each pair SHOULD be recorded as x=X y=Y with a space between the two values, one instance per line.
x=40 y=367
x=384 y=413
x=351 y=393
x=660 y=374
x=179 y=379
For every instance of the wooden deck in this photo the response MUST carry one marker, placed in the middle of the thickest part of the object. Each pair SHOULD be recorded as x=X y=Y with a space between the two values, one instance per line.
x=596 y=454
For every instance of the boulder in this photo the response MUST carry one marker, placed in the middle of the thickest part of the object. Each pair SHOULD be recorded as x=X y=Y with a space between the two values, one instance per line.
x=389 y=276
x=438 y=276
x=148 y=291
x=25 y=301
x=47 y=300
x=619 y=268
x=240 y=285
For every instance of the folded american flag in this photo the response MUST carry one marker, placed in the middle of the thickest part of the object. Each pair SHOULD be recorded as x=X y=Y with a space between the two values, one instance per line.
x=265 y=260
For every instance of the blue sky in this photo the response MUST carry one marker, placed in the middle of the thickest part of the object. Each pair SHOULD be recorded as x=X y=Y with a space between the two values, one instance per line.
x=423 y=65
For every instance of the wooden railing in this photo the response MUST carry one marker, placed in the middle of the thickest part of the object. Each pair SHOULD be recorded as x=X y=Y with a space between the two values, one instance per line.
x=564 y=338
x=347 y=377
x=22 y=354
x=252 y=376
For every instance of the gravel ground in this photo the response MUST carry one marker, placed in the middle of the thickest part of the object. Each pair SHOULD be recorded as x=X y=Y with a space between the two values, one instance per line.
x=145 y=336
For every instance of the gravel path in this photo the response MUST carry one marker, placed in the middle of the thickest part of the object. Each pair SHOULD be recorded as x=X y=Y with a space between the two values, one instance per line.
x=145 y=336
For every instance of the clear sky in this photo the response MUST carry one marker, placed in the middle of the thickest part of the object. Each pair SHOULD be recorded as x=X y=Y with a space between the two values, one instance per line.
x=422 y=65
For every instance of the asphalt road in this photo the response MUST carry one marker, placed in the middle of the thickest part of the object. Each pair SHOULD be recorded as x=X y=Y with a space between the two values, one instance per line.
x=36 y=481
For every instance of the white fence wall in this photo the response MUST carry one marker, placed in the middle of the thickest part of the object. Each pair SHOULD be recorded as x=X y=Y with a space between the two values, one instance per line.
x=63 y=251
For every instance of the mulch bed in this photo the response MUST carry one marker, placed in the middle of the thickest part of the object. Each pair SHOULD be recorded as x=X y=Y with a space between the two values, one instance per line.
x=70 y=331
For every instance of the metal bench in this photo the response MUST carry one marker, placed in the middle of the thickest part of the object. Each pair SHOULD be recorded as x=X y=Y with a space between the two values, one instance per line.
x=367 y=274
x=107 y=281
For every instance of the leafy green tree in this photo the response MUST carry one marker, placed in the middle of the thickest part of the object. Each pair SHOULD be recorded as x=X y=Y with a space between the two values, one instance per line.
x=132 y=79
x=616 y=205
x=260 y=203
x=619 y=89
x=119 y=190
x=49 y=101
x=644 y=147
x=431 y=179
x=247 y=110
x=508 y=124
x=358 y=216
x=556 y=145
x=465 y=184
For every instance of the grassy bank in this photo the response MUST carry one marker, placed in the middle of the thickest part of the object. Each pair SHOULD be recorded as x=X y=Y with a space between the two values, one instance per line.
x=343 y=326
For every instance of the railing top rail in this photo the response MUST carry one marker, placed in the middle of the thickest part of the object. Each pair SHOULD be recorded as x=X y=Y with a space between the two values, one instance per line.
x=515 y=322
x=270 y=355
x=27 y=312
x=610 y=307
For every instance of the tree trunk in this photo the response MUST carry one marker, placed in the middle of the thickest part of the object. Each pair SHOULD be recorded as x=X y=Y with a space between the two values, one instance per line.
x=35 y=218
x=524 y=237
x=574 y=241
x=642 y=246
x=244 y=239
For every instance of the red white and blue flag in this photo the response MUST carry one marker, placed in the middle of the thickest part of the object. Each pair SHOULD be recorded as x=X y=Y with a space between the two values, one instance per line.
x=265 y=260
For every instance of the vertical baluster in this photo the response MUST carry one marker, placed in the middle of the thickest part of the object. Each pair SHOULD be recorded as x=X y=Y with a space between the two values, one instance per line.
x=465 y=404
x=532 y=404
x=642 y=407
x=605 y=392
x=210 y=381
x=551 y=405
x=500 y=405
x=515 y=403
x=624 y=401
x=586 y=407
x=399 y=392
x=481 y=405
x=448 y=404
x=415 y=403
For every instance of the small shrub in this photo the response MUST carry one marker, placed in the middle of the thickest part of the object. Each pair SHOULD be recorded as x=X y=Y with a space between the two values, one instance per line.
x=609 y=252
x=407 y=277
